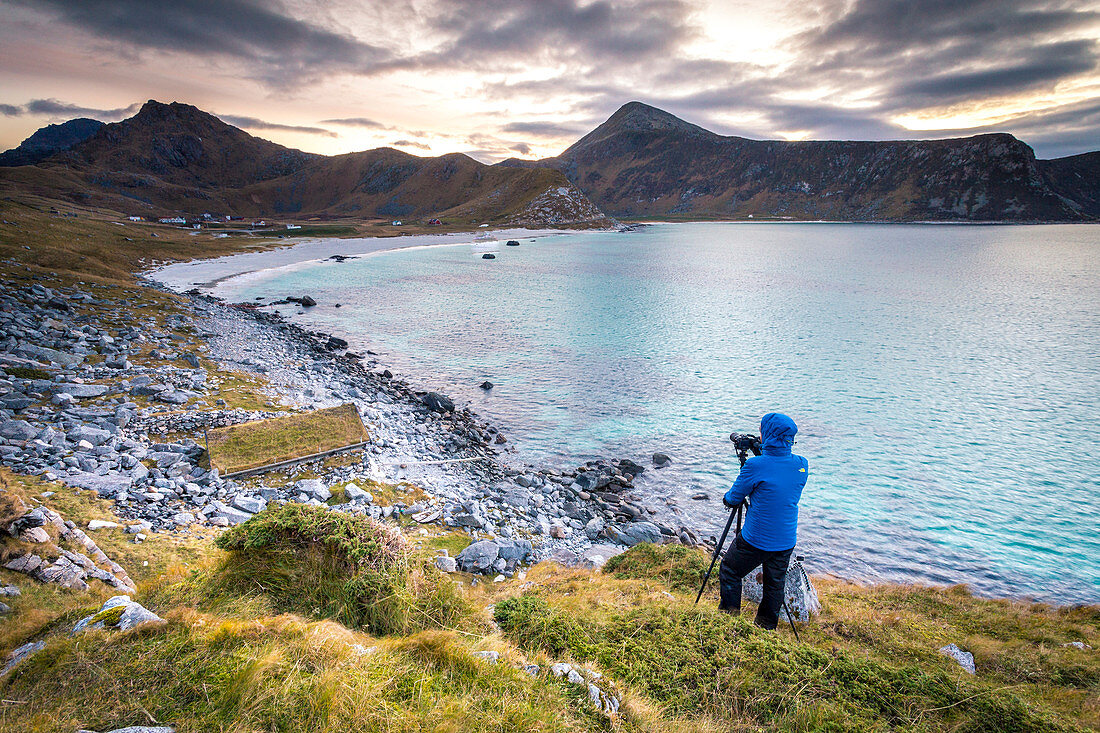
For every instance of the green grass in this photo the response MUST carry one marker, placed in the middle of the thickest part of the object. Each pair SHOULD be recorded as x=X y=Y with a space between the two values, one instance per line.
x=696 y=661
x=26 y=372
x=255 y=444
x=311 y=230
x=203 y=673
x=869 y=663
x=329 y=564
x=678 y=567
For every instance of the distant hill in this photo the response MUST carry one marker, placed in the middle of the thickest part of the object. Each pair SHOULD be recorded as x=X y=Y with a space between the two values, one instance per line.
x=177 y=158
x=1077 y=178
x=49 y=140
x=183 y=146
x=645 y=162
x=642 y=162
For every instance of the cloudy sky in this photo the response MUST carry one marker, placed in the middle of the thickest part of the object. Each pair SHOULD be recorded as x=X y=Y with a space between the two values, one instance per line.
x=499 y=78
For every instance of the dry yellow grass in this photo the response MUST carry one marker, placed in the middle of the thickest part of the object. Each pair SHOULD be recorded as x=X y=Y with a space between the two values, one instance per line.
x=254 y=444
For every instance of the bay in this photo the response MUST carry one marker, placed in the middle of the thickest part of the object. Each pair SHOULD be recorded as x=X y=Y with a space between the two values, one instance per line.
x=945 y=378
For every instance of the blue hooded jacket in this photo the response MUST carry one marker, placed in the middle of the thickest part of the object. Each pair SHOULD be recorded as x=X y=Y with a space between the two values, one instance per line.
x=774 y=483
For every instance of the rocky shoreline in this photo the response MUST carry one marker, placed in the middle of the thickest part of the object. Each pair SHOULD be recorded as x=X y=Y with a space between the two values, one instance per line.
x=81 y=426
x=120 y=409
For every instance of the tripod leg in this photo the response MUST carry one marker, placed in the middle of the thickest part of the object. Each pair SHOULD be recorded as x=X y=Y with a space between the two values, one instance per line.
x=790 y=620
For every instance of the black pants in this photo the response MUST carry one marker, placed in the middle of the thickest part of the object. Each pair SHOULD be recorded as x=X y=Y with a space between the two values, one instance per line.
x=740 y=560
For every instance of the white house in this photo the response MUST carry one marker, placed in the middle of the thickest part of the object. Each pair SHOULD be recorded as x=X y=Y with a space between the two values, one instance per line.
x=173 y=220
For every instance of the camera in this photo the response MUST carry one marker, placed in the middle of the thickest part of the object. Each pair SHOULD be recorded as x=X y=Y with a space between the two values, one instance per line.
x=744 y=442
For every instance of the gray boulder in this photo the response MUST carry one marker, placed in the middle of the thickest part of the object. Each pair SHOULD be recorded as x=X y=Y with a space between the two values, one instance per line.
x=798 y=592
x=41 y=353
x=132 y=615
x=437 y=402
x=83 y=391
x=95 y=436
x=488 y=555
x=233 y=516
x=354 y=493
x=478 y=557
x=594 y=527
x=21 y=653
x=104 y=486
x=18 y=430
x=518 y=550
x=596 y=556
x=15 y=403
x=964 y=659
x=250 y=504
x=314 y=488
x=173 y=397
x=634 y=533
x=33 y=519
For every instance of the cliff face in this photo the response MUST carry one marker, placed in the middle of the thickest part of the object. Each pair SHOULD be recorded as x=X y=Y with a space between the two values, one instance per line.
x=645 y=162
x=1077 y=179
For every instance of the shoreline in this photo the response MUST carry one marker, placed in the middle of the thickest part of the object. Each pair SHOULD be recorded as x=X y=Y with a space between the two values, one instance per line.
x=181 y=276
x=469 y=487
x=646 y=505
x=566 y=519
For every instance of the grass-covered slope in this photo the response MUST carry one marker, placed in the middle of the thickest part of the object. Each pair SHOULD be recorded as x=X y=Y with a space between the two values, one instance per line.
x=871 y=663
x=307 y=619
x=263 y=442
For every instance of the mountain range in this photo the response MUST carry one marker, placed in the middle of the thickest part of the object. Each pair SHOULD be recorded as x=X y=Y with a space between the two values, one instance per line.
x=641 y=163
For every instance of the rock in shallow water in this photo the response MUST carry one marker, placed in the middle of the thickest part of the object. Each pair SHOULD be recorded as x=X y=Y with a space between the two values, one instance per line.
x=437 y=402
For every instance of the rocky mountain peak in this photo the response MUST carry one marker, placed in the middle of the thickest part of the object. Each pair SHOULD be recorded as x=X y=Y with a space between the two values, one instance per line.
x=154 y=112
x=636 y=119
x=641 y=117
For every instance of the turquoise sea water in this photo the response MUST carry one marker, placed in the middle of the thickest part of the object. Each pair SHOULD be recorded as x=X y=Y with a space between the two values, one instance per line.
x=946 y=379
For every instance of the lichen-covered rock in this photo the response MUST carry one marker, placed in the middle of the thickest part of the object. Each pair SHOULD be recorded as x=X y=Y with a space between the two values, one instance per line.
x=799 y=592
x=489 y=555
x=67 y=569
x=964 y=659
x=119 y=612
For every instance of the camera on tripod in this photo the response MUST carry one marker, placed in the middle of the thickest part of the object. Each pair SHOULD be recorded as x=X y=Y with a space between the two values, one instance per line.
x=744 y=442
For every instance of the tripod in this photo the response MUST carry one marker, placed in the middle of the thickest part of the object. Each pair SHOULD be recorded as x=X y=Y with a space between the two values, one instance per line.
x=742 y=456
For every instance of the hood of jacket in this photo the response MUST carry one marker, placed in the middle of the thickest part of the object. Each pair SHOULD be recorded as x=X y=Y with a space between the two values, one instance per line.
x=777 y=434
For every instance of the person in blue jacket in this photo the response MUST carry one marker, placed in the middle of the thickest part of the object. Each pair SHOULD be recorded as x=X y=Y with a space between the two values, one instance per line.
x=773 y=483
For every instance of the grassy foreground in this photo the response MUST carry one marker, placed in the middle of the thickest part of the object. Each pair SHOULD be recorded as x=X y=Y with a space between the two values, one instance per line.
x=254 y=444
x=310 y=620
x=306 y=620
